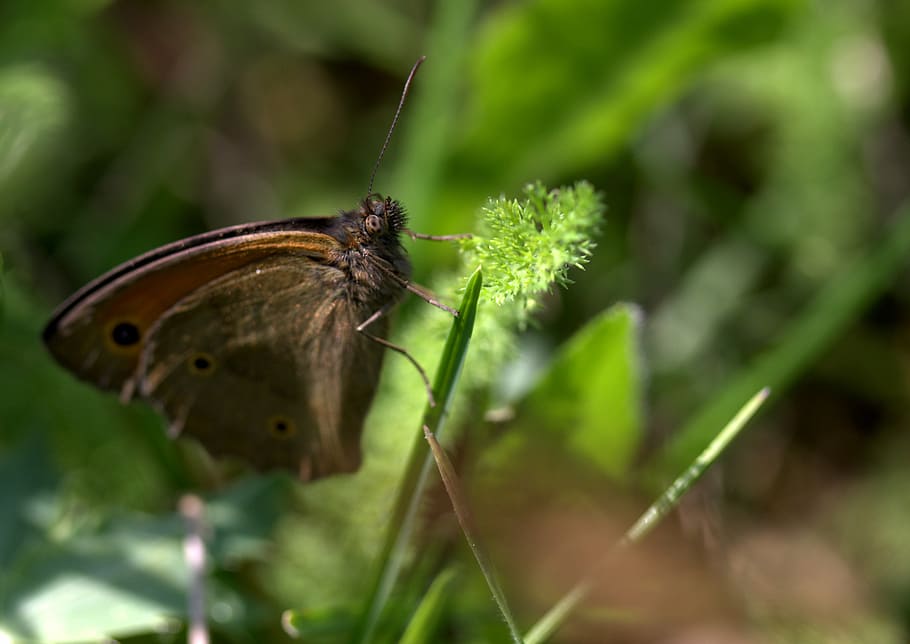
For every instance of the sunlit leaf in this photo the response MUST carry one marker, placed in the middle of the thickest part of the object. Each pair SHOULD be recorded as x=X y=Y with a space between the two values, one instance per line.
x=590 y=395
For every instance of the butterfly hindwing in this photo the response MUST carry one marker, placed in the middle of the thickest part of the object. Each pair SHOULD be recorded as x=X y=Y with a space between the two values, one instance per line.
x=265 y=363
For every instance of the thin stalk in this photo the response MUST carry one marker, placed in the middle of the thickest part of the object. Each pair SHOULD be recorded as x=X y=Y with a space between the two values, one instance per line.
x=463 y=514
x=548 y=624
x=419 y=463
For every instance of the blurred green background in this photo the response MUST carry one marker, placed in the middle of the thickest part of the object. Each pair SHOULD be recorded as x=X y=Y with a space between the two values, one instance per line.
x=754 y=156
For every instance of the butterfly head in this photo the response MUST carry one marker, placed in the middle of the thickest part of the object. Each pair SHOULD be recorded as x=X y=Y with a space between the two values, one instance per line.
x=381 y=218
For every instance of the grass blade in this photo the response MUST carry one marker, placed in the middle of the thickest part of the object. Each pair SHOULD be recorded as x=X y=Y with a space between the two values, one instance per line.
x=840 y=302
x=419 y=462
x=459 y=504
x=426 y=617
x=548 y=624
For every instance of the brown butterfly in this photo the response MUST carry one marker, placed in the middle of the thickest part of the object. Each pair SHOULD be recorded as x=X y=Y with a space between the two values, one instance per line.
x=263 y=341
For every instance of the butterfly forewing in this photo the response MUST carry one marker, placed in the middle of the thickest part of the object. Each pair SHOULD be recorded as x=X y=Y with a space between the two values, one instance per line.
x=100 y=331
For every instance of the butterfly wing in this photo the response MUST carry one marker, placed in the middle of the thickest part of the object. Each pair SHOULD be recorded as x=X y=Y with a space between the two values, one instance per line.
x=263 y=365
x=286 y=359
x=100 y=331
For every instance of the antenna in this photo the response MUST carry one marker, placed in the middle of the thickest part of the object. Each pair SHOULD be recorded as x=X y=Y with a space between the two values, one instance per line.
x=385 y=145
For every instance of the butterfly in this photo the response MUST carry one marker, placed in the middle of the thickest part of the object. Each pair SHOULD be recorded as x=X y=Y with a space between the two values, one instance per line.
x=262 y=341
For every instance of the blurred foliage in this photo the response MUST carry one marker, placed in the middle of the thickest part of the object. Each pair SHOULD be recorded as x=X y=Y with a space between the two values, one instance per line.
x=754 y=158
x=591 y=410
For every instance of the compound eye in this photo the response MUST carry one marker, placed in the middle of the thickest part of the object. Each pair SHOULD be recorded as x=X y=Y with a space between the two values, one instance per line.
x=373 y=224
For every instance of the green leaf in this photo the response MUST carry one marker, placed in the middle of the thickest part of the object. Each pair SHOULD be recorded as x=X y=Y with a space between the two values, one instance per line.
x=129 y=577
x=590 y=395
x=244 y=516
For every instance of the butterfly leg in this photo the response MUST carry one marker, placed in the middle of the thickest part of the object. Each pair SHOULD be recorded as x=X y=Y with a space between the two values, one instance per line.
x=428 y=297
x=421 y=292
x=361 y=328
x=410 y=233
